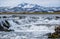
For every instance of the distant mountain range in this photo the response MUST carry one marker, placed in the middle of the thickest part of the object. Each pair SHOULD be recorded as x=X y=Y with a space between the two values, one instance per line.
x=25 y=7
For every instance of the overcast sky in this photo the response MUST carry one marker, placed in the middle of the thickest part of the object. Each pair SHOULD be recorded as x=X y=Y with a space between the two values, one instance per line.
x=46 y=3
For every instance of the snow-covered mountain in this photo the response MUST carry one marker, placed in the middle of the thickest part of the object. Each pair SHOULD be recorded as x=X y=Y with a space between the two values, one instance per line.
x=29 y=8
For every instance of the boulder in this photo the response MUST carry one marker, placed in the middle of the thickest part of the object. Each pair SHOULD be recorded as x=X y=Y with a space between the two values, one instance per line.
x=4 y=26
x=56 y=34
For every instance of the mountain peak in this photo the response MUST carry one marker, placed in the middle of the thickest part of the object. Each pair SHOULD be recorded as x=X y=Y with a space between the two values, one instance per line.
x=22 y=4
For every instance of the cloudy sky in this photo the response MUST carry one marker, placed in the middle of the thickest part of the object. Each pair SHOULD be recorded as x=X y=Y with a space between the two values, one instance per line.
x=46 y=3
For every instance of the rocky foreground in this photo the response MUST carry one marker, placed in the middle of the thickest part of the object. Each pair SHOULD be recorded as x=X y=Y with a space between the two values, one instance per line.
x=21 y=35
x=27 y=26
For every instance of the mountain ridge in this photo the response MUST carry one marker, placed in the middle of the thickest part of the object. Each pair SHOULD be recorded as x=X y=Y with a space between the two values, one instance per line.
x=26 y=7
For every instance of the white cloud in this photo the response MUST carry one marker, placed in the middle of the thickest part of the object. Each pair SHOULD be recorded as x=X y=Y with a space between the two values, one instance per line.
x=39 y=2
x=9 y=2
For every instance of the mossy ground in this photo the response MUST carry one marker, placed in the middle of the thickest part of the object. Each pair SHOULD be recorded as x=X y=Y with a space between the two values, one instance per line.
x=29 y=12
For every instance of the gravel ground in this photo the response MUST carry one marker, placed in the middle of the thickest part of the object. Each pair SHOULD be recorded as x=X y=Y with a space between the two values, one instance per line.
x=21 y=35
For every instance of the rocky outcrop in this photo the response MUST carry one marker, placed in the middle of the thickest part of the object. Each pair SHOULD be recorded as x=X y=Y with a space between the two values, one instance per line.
x=4 y=26
x=56 y=34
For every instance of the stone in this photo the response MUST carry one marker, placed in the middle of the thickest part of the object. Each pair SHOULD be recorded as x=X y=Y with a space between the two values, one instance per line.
x=4 y=26
x=56 y=34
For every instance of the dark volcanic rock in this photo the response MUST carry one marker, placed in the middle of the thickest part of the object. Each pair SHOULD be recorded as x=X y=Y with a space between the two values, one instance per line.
x=4 y=26
x=57 y=17
x=1 y=28
x=56 y=34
